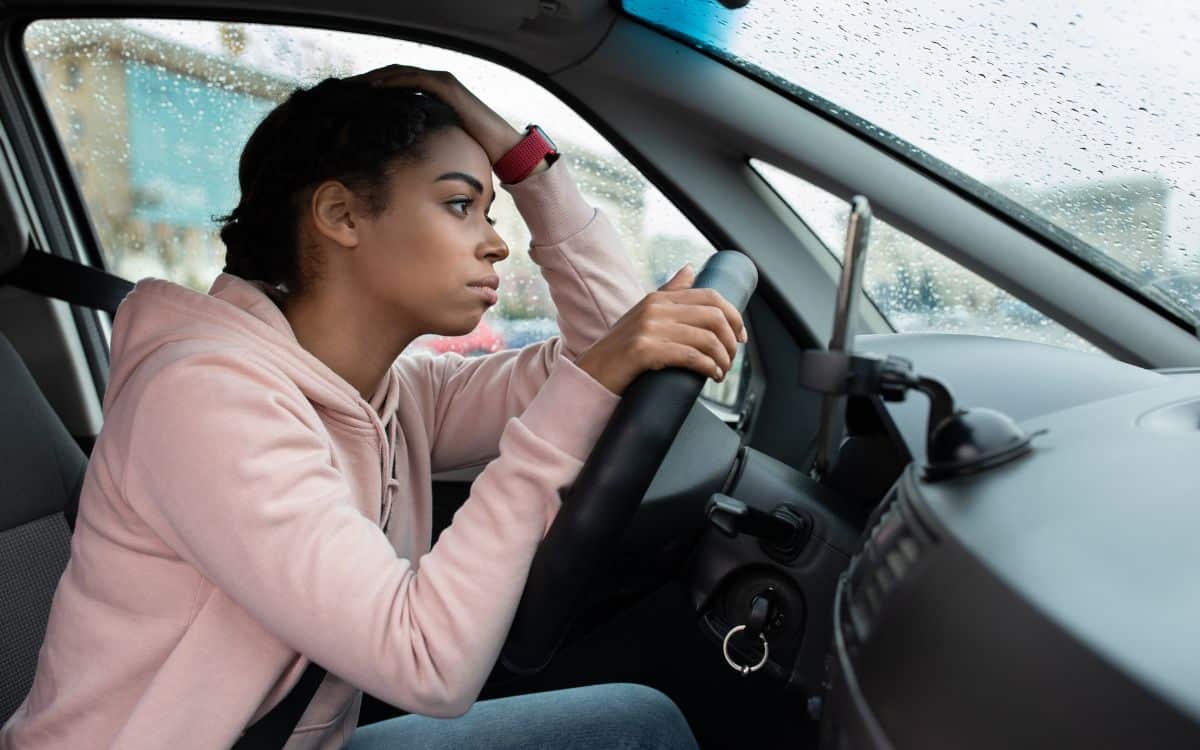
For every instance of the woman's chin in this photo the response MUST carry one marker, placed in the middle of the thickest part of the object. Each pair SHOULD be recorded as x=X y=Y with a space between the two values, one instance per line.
x=460 y=328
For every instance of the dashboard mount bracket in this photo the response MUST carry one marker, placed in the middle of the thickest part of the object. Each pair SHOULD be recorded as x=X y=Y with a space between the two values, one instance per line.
x=958 y=441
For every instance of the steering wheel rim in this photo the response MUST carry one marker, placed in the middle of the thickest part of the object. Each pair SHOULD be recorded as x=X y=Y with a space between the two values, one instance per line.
x=606 y=494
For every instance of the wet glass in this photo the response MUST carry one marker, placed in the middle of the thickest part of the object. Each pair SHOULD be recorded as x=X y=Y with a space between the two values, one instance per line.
x=1079 y=119
x=915 y=288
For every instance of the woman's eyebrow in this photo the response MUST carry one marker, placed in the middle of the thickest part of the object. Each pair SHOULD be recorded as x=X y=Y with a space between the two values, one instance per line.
x=463 y=176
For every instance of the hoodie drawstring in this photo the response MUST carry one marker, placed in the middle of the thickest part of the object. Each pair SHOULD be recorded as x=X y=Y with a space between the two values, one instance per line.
x=391 y=484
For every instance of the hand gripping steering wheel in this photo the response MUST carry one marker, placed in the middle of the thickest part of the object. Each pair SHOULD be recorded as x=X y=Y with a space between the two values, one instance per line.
x=605 y=497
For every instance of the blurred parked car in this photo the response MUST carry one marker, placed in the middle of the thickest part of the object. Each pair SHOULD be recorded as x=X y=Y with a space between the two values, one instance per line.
x=483 y=340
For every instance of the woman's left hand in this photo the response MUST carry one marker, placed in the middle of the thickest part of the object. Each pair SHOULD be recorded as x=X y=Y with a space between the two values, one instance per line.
x=481 y=122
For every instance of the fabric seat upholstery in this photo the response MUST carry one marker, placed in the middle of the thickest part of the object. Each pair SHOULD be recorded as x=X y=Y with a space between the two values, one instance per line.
x=44 y=469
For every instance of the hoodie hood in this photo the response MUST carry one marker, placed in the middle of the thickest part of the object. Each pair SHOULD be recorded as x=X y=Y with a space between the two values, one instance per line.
x=234 y=313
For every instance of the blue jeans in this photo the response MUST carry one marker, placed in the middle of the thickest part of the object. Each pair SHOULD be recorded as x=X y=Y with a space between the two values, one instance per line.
x=617 y=716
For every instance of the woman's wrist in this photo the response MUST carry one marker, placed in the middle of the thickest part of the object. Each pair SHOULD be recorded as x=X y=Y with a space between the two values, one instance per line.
x=505 y=138
x=499 y=140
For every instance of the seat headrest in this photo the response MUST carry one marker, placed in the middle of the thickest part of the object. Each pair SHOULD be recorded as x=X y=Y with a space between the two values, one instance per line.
x=43 y=465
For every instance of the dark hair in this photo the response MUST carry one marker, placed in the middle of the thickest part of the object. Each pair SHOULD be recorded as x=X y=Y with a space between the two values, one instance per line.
x=340 y=129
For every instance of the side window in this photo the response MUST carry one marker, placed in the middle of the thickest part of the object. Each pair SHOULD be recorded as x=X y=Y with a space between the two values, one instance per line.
x=153 y=116
x=916 y=288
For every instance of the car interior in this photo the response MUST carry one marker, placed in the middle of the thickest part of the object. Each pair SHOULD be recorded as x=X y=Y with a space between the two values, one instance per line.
x=884 y=538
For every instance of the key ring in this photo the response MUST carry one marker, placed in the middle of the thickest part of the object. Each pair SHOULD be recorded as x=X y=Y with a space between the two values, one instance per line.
x=742 y=668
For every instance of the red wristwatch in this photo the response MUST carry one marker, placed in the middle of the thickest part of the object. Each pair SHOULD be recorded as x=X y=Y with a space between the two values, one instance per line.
x=521 y=159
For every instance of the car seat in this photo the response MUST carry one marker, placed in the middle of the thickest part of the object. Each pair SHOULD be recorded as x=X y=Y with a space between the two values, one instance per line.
x=45 y=469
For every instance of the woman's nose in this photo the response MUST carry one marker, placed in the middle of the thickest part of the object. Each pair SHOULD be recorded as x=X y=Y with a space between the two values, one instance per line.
x=494 y=248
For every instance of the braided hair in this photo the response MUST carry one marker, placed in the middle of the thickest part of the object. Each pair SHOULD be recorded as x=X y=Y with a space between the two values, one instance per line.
x=340 y=129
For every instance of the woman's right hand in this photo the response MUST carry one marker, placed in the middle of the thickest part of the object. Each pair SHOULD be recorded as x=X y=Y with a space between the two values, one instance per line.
x=676 y=326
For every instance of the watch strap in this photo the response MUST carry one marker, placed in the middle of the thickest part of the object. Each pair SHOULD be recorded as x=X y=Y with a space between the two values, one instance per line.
x=522 y=158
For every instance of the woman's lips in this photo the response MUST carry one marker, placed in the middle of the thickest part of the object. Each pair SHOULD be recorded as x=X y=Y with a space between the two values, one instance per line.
x=485 y=293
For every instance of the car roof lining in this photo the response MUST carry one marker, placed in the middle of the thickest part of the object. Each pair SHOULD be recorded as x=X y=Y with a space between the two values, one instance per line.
x=544 y=35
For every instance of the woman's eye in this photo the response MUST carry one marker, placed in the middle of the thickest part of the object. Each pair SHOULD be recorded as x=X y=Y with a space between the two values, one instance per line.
x=463 y=203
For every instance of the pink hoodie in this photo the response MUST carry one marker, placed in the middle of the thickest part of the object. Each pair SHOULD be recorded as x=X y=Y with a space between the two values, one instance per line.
x=230 y=521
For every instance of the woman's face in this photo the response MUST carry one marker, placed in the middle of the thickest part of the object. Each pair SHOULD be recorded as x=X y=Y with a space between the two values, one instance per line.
x=428 y=258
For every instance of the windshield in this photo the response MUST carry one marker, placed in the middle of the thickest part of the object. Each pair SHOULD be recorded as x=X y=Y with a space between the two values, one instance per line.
x=1086 y=115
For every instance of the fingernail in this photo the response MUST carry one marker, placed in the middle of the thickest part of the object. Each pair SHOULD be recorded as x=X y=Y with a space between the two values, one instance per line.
x=743 y=336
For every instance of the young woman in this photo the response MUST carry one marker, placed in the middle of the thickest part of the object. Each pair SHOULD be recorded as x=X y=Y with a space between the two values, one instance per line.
x=260 y=494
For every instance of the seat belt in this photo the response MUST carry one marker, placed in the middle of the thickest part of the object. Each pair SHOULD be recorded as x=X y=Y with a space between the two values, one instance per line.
x=52 y=276
x=61 y=278
x=271 y=732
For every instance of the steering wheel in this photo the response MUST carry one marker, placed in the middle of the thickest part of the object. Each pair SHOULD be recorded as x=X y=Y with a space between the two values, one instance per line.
x=606 y=494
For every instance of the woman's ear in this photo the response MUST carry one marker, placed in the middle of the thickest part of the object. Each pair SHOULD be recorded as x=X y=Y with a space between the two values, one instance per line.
x=332 y=210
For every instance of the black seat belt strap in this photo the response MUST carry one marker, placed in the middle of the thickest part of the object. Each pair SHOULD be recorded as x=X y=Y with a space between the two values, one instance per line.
x=61 y=278
x=271 y=732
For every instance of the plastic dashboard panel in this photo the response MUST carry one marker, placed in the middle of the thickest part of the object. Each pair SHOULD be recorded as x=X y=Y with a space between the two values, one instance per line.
x=1049 y=602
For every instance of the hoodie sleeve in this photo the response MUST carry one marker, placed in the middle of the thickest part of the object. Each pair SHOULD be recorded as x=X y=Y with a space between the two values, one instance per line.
x=229 y=464
x=592 y=282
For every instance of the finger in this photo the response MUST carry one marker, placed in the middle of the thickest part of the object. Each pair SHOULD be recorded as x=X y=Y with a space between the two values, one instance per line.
x=414 y=80
x=387 y=71
x=671 y=354
x=711 y=298
x=402 y=76
x=702 y=316
x=702 y=339
x=683 y=279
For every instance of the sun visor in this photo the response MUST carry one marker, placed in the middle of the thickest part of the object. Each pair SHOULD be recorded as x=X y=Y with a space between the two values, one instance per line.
x=489 y=15
x=15 y=232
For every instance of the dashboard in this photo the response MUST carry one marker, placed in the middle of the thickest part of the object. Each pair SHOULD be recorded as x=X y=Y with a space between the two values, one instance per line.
x=1048 y=601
